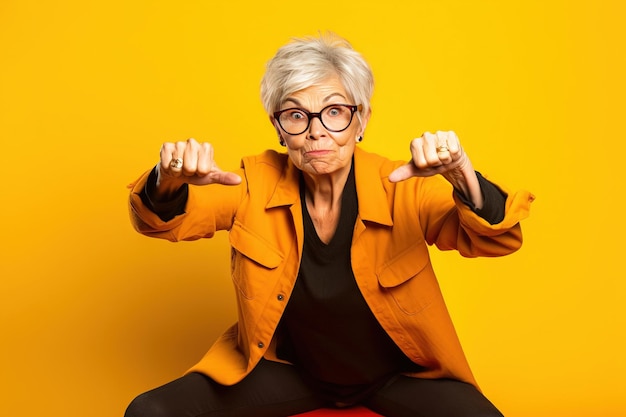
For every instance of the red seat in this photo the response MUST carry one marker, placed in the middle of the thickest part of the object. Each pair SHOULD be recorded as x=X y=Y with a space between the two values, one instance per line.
x=345 y=412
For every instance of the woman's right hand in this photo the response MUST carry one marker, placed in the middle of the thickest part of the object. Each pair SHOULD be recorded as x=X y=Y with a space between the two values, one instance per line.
x=189 y=162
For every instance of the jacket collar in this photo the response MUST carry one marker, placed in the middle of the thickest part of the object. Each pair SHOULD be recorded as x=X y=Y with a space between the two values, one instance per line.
x=373 y=205
x=287 y=192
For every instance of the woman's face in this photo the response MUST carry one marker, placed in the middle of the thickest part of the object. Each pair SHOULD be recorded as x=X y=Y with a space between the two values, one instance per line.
x=317 y=150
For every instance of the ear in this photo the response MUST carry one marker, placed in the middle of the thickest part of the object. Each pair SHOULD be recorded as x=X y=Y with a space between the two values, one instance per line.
x=278 y=131
x=275 y=124
x=365 y=118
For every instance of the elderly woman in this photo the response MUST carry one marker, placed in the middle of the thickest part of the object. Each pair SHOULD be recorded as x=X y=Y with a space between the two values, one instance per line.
x=337 y=300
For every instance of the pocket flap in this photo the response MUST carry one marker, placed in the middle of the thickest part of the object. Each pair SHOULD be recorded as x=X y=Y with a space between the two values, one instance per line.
x=404 y=266
x=254 y=246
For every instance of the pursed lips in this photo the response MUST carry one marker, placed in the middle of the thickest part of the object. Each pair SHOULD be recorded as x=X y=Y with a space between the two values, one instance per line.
x=317 y=152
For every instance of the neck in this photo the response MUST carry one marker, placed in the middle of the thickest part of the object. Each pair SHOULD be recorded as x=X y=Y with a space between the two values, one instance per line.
x=324 y=191
x=323 y=196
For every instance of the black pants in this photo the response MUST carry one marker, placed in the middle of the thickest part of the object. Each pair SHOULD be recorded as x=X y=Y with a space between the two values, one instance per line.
x=276 y=390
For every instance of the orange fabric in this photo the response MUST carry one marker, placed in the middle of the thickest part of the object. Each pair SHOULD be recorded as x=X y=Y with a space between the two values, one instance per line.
x=396 y=223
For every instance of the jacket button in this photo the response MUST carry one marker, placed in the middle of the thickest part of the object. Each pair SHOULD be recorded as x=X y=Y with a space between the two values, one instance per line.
x=261 y=345
x=280 y=297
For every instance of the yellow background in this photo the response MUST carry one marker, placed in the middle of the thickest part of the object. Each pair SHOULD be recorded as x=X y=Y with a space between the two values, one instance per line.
x=93 y=313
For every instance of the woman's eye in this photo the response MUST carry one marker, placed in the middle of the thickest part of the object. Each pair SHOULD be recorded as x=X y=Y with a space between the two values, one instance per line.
x=296 y=115
x=335 y=111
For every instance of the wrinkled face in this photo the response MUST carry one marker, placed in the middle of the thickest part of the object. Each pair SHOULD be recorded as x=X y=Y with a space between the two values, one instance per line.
x=319 y=151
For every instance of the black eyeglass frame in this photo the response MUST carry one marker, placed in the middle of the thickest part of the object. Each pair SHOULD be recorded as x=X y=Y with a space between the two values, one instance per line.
x=353 y=109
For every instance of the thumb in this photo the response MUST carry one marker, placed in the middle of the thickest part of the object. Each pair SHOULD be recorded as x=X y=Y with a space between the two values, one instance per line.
x=403 y=172
x=216 y=176
x=223 y=177
x=228 y=178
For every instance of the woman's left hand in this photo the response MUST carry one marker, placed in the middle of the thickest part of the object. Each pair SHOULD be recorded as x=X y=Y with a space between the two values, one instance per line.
x=441 y=153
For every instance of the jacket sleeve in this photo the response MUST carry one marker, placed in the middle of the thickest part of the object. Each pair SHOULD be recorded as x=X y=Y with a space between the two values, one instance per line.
x=494 y=201
x=208 y=209
x=449 y=223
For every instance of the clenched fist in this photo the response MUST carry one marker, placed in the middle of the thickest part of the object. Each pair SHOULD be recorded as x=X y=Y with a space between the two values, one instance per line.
x=441 y=153
x=189 y=162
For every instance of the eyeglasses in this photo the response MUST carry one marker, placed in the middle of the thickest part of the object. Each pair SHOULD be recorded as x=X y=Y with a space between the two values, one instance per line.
x=335 y=118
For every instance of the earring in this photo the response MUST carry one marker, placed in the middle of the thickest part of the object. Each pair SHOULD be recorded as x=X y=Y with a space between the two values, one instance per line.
x=281 y=141
x=359 y=139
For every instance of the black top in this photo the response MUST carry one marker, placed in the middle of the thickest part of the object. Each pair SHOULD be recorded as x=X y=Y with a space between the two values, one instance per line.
x=327 y=330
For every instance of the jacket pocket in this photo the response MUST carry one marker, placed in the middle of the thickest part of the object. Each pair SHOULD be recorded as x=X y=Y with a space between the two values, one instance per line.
x=254 y=246
x=408 y=279
x=253 y=260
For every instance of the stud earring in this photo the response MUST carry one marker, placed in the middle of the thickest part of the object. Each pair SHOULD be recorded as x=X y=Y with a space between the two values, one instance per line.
x=281 y=141
x=359 y=139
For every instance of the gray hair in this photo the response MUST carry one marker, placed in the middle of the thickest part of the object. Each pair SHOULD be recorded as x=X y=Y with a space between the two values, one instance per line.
x=307 y=61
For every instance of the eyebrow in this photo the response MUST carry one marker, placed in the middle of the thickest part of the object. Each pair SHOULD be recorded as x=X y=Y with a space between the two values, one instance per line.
x=326 y=99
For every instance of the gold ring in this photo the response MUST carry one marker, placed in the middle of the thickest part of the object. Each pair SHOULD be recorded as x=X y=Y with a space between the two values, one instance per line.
x=176 y=163
x=442 y=149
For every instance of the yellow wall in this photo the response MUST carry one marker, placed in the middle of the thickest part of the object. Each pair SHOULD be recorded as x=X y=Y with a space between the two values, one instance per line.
x=93 y=313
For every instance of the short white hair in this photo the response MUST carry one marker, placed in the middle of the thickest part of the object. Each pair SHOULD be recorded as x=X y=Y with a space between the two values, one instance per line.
x=308 y=61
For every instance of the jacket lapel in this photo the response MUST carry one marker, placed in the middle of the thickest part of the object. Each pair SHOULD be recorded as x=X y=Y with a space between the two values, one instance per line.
x=287 y=194
x=373 y=204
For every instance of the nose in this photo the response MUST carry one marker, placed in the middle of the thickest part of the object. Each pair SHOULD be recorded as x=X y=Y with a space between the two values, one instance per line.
x=316 y=128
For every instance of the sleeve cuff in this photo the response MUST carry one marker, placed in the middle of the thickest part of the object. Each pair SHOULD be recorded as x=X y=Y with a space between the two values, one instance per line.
x=494 y=201
x=166 y=210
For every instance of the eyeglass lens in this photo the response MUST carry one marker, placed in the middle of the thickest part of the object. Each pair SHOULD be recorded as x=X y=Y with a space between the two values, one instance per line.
x=334 y=118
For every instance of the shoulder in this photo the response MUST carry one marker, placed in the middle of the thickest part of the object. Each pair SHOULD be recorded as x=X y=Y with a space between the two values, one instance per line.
x=374 y=165
x=265 y=170
x=269 y=156
x=372 y=177
x=269 y=160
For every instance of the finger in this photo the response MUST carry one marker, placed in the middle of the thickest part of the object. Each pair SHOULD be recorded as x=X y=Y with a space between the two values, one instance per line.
x=225 y=177
x=170 y=164
x=403 y=172
x=454 y=146
x=205 y=159
x=418 y=153
x=167 y=150
x=431 y=158
x=231 y=179
x=207 y=171
x=442 y=147
x=190 y=157
x=172 y=158
x=216 y=176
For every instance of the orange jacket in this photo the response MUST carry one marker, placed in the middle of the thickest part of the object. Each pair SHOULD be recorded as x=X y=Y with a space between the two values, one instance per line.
x=395 y=225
